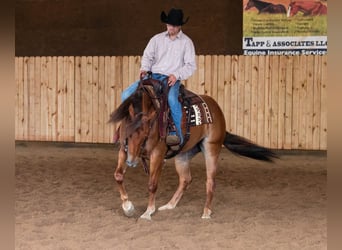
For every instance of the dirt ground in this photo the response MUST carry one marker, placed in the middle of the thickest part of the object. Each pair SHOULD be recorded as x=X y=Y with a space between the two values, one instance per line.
x=66 y=198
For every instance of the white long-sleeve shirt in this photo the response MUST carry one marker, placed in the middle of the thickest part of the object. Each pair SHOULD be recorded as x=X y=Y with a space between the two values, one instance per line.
x=165 y=56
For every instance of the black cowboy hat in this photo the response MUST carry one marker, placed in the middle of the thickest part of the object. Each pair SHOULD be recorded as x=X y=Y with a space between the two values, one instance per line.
x=175 y=17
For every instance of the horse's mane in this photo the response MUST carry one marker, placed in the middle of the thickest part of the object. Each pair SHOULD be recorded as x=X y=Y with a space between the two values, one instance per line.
x=122 y=111
x=130 y=110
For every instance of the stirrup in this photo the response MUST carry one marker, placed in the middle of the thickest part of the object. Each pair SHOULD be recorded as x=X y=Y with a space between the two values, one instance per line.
x=172 y=140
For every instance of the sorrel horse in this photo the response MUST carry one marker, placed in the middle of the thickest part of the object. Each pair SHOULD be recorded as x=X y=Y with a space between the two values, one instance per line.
x=265 y=7
x=308 y=8
x=140 y=138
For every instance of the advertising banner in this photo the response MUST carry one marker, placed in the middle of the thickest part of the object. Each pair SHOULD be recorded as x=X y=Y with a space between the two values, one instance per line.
x=284 y=27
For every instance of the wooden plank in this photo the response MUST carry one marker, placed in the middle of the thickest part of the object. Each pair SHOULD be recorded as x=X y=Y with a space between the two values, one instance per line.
x=227 y=91
x=52 y=98
x=254 y=98
x=274 y=63
x=221 y=83
x=66 y=81
x=246 y=91
x=116 y=76
x=195 y=80
x=136 y=73
x=296 y=86
x=268 y=102
x=69 y=104
x=301 y=104
x=192 y=83
x=125 y=72
x=30 y=99
x=260 y=99
x=324 y=104
x=95 y=100
x=132 y=73
x=44 y=99
x=78 y=93
x=108 y=97
x=201 y=76
x=119 y=76
x=240 y=96
x=281 y=101
x=60 y=99
x=25 y=121
x=63 y=99
x=234 y=91
x=288 y=102
x=208 y=76
x=309 y=102
x=37 y=98
x=86 y=101
x=102 y=100
x=213 y=78
x=106 y=90
x=316 y=119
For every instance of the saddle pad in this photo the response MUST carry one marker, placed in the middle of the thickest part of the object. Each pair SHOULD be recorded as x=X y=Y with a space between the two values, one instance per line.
x=195 y=111
x=196 y=108
x=199 y=114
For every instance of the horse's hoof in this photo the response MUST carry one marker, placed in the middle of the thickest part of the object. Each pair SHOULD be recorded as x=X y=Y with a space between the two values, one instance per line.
x=166 y=207
x=206 y=214
x=128 y=208
x=146 y=216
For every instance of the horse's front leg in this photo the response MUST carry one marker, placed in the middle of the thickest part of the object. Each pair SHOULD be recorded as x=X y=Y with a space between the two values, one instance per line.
x=156 y=164
x=119 y=174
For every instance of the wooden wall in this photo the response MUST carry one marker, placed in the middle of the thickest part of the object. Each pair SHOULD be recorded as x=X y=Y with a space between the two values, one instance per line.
x=276 y=101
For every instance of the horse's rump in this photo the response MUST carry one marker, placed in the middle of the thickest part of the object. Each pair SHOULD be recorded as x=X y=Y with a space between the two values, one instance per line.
x=308 y=8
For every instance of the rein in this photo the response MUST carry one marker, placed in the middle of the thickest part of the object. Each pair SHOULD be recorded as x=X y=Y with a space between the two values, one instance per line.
x=143 y=86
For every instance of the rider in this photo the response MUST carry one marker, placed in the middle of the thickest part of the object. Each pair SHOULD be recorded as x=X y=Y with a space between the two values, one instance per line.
x=170 y=54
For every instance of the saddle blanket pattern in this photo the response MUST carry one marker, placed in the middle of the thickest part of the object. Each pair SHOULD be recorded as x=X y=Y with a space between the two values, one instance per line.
x=199 y=114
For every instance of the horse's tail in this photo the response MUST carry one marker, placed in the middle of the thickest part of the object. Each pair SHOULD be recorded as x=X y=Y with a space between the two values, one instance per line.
x=244 y=147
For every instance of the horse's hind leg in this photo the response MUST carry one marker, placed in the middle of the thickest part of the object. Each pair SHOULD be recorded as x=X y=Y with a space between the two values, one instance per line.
x=182 y=164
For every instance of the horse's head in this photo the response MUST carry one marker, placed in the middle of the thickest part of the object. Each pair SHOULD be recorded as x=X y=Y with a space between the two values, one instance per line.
x=249 y=5
x=292 y=9
x=139 y=133
x=138 y=115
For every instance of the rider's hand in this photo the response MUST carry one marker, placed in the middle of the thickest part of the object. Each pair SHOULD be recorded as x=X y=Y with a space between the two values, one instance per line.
x=172 y=80
x=143 y=73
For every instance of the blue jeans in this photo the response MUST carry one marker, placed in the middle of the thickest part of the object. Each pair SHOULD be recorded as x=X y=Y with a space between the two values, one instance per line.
x=175 y=106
